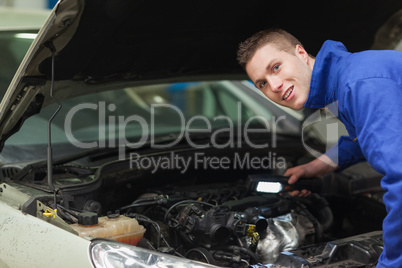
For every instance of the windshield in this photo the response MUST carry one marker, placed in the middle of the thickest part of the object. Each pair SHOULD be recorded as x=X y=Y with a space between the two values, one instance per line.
x=137 y=115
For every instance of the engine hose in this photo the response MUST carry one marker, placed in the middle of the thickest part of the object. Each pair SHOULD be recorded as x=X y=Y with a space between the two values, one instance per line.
x=245 y=251
x=65 y=216
x=186 y=239
x=325 y=218
x=320 y=209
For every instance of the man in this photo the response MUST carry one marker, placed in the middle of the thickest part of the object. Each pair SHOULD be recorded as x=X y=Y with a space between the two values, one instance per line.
x=363 y=89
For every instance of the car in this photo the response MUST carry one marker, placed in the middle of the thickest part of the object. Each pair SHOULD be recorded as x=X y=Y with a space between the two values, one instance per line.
x=130 y=137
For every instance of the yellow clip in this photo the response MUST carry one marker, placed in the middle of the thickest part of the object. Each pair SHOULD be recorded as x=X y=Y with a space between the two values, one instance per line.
x=50 y=213
x=256 y=237
x=251 y=229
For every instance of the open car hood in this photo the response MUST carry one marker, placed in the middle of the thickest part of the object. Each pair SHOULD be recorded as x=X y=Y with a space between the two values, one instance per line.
x=115 y=42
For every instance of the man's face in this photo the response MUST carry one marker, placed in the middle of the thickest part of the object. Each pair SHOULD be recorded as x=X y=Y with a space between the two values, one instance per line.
x=281 y=76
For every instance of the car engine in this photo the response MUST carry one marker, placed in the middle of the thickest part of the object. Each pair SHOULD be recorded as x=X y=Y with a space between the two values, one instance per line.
x=218 y=219
x=226 y=226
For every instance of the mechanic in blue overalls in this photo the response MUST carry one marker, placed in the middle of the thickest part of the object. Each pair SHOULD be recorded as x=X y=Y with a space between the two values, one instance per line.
x=363 y=89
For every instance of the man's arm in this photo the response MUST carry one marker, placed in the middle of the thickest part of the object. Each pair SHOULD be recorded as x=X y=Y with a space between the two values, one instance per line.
x=374 y=108
x=346 y=152
x=316 y=168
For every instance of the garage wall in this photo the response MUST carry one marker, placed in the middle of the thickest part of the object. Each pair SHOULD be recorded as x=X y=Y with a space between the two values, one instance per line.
x=29 y=4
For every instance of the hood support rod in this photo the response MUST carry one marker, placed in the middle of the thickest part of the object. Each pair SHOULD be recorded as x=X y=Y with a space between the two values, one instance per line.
x=49 y=145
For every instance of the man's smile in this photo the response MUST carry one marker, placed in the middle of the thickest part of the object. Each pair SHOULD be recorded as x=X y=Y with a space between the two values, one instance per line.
x=287 y=93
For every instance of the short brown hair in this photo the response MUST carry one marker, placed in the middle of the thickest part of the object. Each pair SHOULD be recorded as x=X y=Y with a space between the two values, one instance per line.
x=278 y=37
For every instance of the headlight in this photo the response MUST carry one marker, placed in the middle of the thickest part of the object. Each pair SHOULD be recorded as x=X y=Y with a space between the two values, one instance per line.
x=112 y=254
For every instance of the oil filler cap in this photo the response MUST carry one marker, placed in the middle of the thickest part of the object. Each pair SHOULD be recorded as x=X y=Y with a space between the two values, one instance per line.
x=88 y=218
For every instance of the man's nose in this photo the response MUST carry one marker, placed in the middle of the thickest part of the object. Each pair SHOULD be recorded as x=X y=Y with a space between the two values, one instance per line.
x=275 y=83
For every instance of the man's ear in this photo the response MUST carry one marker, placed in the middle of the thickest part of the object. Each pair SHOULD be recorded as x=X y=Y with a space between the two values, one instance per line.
x=302 y=53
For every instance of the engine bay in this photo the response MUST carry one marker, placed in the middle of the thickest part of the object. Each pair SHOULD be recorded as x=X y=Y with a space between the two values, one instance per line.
x=217 y=216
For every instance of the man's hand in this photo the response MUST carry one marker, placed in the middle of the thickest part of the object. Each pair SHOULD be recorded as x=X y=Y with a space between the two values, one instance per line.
x=316 y=168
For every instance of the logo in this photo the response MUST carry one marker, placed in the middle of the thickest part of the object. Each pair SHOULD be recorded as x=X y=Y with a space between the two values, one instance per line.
x=325 y=125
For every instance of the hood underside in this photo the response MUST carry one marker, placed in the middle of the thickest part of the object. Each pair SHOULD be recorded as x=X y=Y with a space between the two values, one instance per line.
x=143 y=40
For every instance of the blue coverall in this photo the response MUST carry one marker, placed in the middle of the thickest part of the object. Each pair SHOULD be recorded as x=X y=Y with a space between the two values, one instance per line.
x=366 y=88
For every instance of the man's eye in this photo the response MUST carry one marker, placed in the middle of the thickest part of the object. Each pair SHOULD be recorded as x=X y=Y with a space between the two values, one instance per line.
x=276 y=67
x=262 y=84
